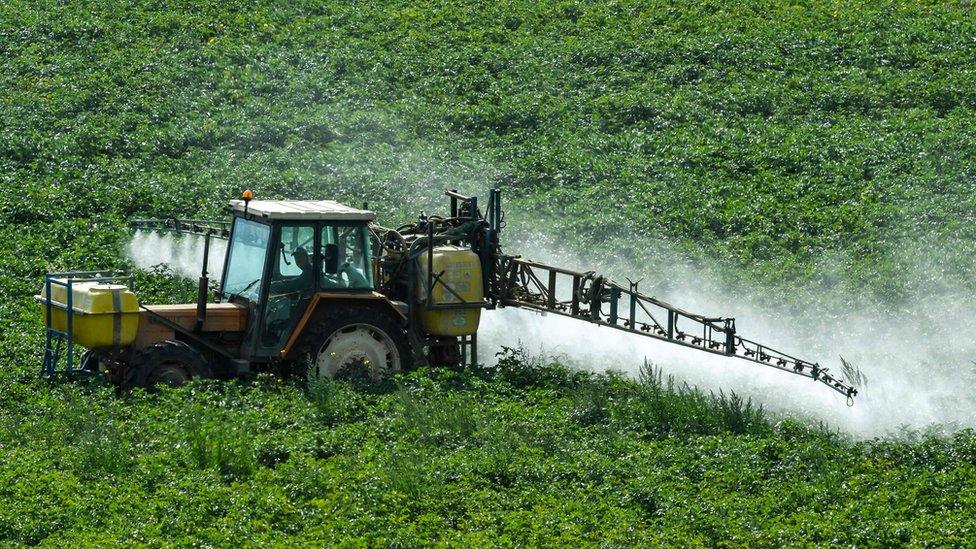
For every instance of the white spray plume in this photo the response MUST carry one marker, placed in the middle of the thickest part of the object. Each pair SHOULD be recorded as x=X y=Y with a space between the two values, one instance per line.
x=183 y=254
x=917 y=361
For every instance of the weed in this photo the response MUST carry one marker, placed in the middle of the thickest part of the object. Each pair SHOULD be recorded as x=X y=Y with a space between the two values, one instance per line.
x=498 y=455
x=335 y=401
x=661 y=407
x=101 y=446
x=854 y=375
x=219 y=443
x=591 y=403
x=405 y=473
x=740 y=416
x=451 y=418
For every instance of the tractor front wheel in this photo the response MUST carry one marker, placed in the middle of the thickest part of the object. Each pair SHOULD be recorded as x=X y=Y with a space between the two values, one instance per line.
x=168 y=362
x=89 y=362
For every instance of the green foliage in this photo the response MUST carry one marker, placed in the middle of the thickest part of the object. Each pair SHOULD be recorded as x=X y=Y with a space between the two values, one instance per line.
x=802 y=145
x=780 y=139
x=459 y=457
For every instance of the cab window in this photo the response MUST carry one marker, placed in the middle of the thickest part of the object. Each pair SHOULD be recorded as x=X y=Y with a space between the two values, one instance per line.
x=346 y=257
x=293 y=263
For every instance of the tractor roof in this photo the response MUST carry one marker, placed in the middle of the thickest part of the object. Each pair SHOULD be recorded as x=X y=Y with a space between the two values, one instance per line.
x=303 y=210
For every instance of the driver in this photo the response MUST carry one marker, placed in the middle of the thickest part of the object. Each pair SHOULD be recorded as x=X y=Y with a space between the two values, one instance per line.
x=299 y=282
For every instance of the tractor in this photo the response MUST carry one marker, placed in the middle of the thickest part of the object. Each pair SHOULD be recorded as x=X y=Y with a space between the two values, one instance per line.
x=319 y=288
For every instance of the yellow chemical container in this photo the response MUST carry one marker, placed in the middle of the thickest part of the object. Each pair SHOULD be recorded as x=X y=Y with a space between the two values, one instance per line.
x=105 y=315
x=462 y=273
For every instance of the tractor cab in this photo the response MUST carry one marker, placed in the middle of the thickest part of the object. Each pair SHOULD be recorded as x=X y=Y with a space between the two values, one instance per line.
x=282 y=253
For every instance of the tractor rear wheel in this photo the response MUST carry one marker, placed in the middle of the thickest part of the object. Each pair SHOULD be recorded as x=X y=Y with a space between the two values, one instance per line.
x=349 y=342
x=168 y=362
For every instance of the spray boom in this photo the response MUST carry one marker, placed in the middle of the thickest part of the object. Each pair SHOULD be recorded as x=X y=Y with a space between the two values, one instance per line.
x=598 y=300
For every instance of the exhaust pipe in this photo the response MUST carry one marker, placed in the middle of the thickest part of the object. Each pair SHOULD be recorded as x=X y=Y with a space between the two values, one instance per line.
x=203 y=287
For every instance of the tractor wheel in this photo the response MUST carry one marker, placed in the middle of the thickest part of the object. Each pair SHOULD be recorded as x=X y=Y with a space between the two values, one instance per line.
x=446 y=351
x=355 y=343
x=89 y=362
x=168 y=362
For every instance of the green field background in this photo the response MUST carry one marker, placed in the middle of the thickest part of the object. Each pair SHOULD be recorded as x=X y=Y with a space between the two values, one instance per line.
x=818 y=151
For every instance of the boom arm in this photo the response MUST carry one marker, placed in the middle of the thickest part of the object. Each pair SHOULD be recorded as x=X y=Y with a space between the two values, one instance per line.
x=199 y=227
x=599 y=300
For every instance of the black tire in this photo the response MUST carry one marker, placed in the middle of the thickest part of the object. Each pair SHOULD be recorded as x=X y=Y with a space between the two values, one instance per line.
x=89 y=362
x=341 y=320
x=170 y=362
x=446 y=351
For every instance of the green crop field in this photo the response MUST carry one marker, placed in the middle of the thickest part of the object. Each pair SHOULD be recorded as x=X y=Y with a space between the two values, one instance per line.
x=819 y=151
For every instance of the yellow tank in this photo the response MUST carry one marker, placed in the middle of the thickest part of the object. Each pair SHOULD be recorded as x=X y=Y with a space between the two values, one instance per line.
x=105 y=315
x=462 y=273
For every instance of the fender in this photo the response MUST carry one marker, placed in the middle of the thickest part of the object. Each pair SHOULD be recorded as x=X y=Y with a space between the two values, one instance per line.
x=322 y=300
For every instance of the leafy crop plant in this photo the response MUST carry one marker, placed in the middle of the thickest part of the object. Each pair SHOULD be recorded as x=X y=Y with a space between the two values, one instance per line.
x=822 y=152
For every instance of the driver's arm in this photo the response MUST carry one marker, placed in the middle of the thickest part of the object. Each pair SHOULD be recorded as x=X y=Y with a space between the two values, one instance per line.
x=330 y=280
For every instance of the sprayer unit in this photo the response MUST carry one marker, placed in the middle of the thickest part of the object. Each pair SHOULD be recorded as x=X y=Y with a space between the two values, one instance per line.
x=319 y=288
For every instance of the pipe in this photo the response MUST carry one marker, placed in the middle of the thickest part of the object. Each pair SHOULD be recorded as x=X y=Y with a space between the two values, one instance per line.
x=203 y=287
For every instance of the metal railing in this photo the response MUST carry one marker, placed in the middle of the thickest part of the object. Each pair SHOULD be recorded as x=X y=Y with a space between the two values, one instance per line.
x=200 y=227
x=599 y=300
x=58 y=341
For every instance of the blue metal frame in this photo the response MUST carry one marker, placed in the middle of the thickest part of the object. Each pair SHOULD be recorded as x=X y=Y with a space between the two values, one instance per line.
x=56 y=340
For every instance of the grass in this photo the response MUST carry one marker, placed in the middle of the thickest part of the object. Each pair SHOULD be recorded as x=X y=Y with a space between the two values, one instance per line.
x=219 y=444
x=335 y=402
x=815 y=150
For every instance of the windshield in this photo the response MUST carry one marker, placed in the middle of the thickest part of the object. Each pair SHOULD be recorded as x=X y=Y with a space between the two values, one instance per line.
x=245 y=259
